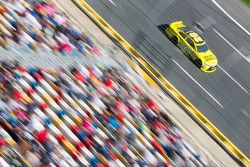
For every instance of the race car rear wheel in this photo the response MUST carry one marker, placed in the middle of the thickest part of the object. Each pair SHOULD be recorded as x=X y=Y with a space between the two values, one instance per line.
x=174 y=39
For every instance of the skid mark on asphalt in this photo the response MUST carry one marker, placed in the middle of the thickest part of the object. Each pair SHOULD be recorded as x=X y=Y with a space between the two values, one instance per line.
x=240 y=53
x=207 y=22
x=233 y=79
x=245 y=112
x=229 y=43
x=230 y=61
x=228 y=15
x=112 y=2
x=198 y=83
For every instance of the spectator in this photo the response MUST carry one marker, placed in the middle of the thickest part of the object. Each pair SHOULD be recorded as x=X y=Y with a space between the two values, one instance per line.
x=85 y=112
x=28 y=22
x=33 y=157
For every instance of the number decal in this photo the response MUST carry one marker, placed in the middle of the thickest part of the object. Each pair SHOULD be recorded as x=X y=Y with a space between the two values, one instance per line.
x=196 y=37
x=193 y=34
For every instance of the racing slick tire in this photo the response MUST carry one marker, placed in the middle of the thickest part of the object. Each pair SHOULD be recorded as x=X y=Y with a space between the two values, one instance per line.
x=174 y=39
x=198 y=63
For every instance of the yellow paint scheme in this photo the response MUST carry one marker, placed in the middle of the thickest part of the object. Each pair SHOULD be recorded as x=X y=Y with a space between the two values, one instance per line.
x=179 y=33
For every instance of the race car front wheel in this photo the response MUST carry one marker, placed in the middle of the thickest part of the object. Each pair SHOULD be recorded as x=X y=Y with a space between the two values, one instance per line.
x=198 y=62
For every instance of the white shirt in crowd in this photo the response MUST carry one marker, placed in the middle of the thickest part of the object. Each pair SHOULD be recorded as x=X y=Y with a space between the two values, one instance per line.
x=62 y=38
x=3 y=163
x=97 y=72
x=49 y=77
x=3 y=106
x=73 y=87
x=6 y=23
x=59 y=160
x=35 y=124
x=26 y=39
x=32 y=21
x=12 y=105
x=61 y=20
x=17 y=6
x=33 y=159
x=83 y=71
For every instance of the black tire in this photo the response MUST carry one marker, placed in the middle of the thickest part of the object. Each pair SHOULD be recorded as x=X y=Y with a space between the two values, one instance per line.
x=163 y=27
x=198 y=63
x=174 y=39
x=189 y=56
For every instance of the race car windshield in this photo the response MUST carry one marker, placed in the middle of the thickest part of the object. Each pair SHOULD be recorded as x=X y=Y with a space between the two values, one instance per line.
x=202 y=48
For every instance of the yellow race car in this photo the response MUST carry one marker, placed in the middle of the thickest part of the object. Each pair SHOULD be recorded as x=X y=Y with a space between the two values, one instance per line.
x=192 y=45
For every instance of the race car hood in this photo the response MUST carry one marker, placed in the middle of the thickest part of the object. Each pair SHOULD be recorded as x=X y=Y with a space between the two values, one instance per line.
x=209 y=58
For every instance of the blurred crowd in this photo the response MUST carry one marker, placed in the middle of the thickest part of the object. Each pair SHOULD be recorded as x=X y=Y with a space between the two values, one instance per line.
x=81 y=116
x=39 y=25
x=92 y=116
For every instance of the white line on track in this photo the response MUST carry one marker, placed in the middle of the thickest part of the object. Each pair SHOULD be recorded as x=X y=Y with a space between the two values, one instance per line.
x=112 y=2
x=228 y=15
x=198 y=83
x=233 y=79
x=229 y=43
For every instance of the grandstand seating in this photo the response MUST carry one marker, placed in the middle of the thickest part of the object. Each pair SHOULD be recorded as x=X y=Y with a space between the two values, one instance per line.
x=97 y=119
x=39 y=25
x=81 y=116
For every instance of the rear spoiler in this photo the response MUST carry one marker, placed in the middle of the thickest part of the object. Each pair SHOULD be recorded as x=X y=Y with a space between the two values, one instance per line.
x=177 y=24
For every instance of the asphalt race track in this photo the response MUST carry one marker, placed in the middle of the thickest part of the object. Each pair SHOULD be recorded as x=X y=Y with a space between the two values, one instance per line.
x=222 y=96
